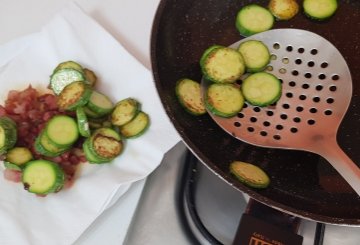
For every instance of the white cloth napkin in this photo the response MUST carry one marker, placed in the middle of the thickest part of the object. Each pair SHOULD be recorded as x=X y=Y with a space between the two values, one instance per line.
x=61 y=218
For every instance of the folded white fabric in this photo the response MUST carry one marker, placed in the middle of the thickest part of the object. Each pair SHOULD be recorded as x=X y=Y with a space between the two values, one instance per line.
x=61 y=218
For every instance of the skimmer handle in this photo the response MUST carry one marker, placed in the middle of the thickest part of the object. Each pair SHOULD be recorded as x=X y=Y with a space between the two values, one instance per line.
x=332 y=152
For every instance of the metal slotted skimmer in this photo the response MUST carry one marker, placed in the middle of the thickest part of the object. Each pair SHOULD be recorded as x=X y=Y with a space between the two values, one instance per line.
x=316 y=93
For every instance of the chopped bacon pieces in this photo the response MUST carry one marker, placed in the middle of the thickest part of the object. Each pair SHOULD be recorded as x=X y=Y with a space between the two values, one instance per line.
x=31 y=111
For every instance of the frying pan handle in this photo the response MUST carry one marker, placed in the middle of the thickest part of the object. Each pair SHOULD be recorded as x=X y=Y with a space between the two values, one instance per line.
x=342 y=163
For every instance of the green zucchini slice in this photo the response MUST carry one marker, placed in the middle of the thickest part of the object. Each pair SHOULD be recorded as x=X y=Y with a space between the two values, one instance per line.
x=62 y=130
x=320 y=9
x=43 y=177
x=224 y=100
x=261 y=89
x=82 y=122
x=222 y=65
x=100 y=103
x=19 y=156
x=252 y=19
x=250 y=174
x=69 y=65
x=256 y=55
x=90 y=113
x=108 y=132
x=74 y=95
x=188 y=93
x=136 y=127
x=90 y=77
x=63 y=77
x=124 y=111
x=283 y=9
x=90 y=156
x=8 y=134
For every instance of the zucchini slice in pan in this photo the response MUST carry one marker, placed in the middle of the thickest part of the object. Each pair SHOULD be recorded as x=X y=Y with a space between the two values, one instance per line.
x=188 y=93
x=283 y=9
x=252 y=19
x=320 y=9
x=249 y=174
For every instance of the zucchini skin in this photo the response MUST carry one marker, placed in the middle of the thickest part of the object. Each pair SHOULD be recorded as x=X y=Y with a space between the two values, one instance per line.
x=10 y=133
x=196 y=110
x=58 y=182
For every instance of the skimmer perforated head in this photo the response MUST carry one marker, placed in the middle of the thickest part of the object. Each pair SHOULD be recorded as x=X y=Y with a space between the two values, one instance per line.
x=316 y=92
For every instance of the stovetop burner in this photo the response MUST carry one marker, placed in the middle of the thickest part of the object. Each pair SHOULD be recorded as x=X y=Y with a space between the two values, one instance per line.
x=185 y=203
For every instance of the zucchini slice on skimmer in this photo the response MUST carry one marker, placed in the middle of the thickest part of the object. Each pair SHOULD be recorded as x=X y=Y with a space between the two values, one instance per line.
x=100 y=103
x=63 y=77
x=256 y=55
x=62 y=130
x=261 y=89
x=43 y=177
x=188 y=93
x=249 y=174
x=222 y=64
x=124 y=111
x=136 y=127
x=74 y=95
x=224 y=100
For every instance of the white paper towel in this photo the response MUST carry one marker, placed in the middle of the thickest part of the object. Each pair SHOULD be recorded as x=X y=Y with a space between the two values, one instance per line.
x=61 y=218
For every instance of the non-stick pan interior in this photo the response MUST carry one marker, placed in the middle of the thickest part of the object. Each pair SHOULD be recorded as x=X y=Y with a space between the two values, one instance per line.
x=301 y=183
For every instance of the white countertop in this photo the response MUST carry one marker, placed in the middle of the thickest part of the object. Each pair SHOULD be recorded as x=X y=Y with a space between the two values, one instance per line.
x=129 y=21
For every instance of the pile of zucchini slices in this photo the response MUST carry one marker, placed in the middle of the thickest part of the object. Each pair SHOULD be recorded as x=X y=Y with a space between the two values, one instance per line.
x=92 y=115
x=253 y=18
x=222 y=67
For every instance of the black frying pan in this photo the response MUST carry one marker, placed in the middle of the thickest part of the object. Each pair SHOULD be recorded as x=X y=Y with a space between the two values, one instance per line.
x=303 y=184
